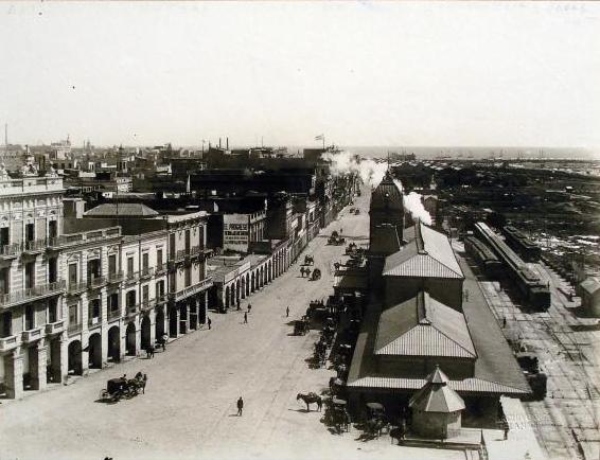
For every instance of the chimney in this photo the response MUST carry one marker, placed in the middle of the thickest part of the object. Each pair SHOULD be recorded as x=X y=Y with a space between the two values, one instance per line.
x=219 y=142
x=227 y=143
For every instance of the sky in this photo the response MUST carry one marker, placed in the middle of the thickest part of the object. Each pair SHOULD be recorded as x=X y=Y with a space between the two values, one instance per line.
x=360 y=73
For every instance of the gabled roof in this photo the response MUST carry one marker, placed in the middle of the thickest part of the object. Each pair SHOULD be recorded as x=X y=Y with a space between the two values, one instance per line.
x=436 y=395
x=590 y=285
x=428 y=256
x=422 y=326
x=121 y=210
x=387 y=195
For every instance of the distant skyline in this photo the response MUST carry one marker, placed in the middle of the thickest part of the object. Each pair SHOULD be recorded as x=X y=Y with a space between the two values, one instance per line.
x=361 y=73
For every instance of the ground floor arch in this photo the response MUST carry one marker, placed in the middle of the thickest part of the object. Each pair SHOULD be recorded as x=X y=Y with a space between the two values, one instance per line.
x=114 y=344
x=146 y=328
x=130 y=345
x=95 y=351
x=74 y=358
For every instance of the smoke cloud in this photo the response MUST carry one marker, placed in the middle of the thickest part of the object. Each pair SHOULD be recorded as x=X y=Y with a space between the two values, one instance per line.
x=345 y=162
x=414 y=205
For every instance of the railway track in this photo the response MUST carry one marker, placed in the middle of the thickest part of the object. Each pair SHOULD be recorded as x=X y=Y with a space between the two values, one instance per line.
x=569 y=416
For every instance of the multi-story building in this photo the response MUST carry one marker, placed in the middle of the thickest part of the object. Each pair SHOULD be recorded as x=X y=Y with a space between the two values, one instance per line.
x=30 y=285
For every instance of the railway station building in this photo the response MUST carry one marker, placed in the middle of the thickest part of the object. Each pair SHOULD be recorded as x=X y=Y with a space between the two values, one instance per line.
x=426 y=314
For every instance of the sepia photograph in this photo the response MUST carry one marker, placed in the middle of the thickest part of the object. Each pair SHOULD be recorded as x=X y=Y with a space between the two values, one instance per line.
x=289 y=230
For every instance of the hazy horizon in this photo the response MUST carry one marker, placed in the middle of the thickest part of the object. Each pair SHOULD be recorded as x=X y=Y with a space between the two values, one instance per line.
x=369 y=73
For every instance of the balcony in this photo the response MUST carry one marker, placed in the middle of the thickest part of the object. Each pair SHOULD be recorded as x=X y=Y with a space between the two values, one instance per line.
x=97 y=282
x=76 y=288
x=31 y=294
x=75 y=328
x=148 y=304
x=133 y=310
x=55 y=328
x=161 y=269
x=132 y=277
x=114 y=314
x=191 y=290
x=9 y=343
x=31 y=335
x=115 y=277
x=73 y=239
x=147 y=272
x=34 y=247
x=9 y=251
x=95 y=321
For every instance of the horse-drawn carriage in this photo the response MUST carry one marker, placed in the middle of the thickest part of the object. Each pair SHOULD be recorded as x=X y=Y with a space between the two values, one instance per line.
x=123 y=388
x=377 y=420
x=316 y=274
x=301 y=326
x=309 y=260
x=336 y=239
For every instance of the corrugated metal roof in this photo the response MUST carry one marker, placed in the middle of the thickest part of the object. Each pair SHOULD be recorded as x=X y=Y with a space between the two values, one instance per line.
x=434 y=260
x=437 y=244
x=437 y=398
x=473 y=385
x=422 y=326
x=424 y=341
x=121 y=209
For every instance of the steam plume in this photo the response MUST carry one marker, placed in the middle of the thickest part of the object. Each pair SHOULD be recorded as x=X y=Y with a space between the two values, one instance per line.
x=414 y=205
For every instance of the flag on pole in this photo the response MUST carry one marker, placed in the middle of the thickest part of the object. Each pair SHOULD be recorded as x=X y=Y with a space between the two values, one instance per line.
x=320 y=137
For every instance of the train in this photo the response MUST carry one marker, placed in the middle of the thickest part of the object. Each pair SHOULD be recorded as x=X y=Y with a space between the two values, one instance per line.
x=531 y=288
x=484 y=256
x=522 y=244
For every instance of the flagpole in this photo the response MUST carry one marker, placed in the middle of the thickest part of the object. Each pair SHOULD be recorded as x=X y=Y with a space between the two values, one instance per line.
x=323 y=142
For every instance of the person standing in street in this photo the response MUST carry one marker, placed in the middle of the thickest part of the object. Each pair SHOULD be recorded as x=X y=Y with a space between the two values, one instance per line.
x=240 y=406
x=249 y=308
x=245 y=318
x=209 y=324
x=287 y=311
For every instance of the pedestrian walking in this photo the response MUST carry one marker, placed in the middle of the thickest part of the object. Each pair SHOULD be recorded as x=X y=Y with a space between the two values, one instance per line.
x=287 y=312
x=209 y=324
x=144 y=382
x=245 y=318
x=249 y=308
x=504 y=322
x=240 y=406
x=164 y=338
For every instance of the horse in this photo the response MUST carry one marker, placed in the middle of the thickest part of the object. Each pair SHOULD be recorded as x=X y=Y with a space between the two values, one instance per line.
x=309 y=399
x=302 y=271
x=150 y=351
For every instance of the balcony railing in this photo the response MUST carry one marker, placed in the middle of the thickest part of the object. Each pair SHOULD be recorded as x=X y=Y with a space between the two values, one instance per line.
x=132 y=310
x=31 y=335
x=10 y=250
x=148 y=304
x=56 y=327
x=114 y=314
x=161 y=269
x=94 y=321
x=75 y=328
x=83 y=237
x=9 y=343
x=132 y=277
x=34 y=246
x=191 y=290
x=76 y=288
x=115 y=277
x=97 y=281
x=33 y=293
x=147 y=272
